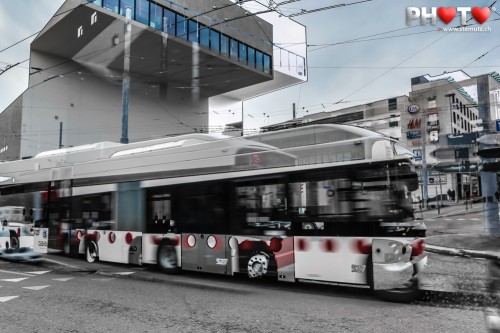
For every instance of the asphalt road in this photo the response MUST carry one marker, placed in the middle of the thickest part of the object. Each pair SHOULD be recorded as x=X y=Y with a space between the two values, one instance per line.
x=70 y=297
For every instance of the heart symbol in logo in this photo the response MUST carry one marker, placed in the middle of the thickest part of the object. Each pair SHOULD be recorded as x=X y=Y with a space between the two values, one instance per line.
x=446 y=14
x=480 y=14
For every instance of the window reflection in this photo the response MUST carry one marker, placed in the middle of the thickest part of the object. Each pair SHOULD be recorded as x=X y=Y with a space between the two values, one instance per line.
x=123 y=8
x=156 y=16
x=215 y=41
x=234 y=49
x=258 y=60
x=193 y=31
x=181 y=26
x=142 y=11
x=169 y=21
x=204 y=36
x=224 y=45
x=267 y=64
x=251 y=57
x=243 y=53
x=111 y=5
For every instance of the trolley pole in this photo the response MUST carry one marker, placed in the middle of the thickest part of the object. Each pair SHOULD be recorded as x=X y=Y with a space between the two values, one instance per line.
x=126 y=75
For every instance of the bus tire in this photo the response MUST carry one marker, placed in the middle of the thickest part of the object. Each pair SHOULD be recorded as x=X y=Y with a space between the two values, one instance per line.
x=399 y=295
x=166 y=257
x=14 y=241
x=91 y=251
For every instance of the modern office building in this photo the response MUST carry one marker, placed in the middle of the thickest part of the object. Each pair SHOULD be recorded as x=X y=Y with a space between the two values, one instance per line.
x=175 y=60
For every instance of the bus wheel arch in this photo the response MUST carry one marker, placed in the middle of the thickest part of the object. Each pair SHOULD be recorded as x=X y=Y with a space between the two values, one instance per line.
x=166 y=257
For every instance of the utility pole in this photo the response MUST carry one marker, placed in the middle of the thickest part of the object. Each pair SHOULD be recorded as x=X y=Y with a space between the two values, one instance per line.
x=60 y=134
x=424 y=160
x=126 y=75
x=488 y=179
x=294 y=114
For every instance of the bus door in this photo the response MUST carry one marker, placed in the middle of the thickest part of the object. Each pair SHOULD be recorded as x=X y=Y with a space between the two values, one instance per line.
x=202 y=221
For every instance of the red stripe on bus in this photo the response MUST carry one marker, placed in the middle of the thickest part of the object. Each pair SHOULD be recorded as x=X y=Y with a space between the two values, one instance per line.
x=284 y=259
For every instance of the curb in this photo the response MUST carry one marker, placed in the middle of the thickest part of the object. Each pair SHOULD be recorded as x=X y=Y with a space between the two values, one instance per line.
x=462 y=252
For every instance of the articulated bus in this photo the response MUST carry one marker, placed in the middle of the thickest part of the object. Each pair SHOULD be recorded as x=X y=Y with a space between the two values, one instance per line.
x=225 y=205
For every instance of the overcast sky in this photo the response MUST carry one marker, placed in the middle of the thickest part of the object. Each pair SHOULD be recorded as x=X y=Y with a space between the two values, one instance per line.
x=357 y=72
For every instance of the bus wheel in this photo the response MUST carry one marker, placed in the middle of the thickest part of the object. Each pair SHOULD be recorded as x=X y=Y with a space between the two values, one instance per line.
x=405 y=294
x=14 y=242
x=91 y=251
x=257 y=265
x=166 y=257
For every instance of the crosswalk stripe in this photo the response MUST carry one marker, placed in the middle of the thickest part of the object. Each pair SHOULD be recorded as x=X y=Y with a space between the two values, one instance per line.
x=14 y=280
x=124 y=273
x=7 y=298
x=36 y=287
x=39 y=272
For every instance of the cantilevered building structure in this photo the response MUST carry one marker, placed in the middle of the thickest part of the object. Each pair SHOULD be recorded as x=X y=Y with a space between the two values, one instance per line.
x=184 y=58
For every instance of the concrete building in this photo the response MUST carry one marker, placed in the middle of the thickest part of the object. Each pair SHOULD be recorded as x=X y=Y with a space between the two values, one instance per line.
x=182 y=59
x=382 y=116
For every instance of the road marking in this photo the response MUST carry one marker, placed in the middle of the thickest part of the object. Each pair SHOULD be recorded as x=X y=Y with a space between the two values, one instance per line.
x=448 y=219
x=104 y=279
x=36 y=287
x=7 y=298
x=13 y=280
x=63 y=279
x=38 y=273
x=124 y=273
x=16 y=273
x=474 y=219
x=61 y=263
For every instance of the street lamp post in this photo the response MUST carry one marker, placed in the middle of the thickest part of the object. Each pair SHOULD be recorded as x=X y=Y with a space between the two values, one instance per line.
x=126 y=75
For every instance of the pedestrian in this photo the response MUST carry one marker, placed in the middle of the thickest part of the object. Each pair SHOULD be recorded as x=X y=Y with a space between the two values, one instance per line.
x=449 y=194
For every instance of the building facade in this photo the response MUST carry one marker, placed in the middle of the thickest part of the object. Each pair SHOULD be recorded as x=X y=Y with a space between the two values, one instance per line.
x=181 y=60
x=446 y=116
x=382 y=116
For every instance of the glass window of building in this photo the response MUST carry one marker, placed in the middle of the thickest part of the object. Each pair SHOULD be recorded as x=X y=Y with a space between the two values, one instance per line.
x=193 y=31
x=98 y=2
x=393 y=104
x=233 y=49
x=204 y=36
x=259 y=60
x=156 y=16
x=224 y=45
x=267 y=64
x=123 y=8
x=142 y=11
x=169 y=21
x=251 y=56
x=181 y=26
x=215 y=41
x=243 y=53
x=111 y=5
